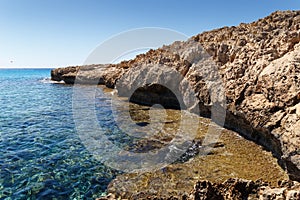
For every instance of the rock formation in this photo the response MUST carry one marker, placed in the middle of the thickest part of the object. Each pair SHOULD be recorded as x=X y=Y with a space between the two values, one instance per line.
x=232 y=189
x=259 y=67
x=244 y=189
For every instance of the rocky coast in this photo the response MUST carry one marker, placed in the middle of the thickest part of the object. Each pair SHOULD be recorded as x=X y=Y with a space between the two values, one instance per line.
x=258 y=65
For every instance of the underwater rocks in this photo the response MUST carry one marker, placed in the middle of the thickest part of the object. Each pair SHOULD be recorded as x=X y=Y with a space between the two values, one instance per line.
x=257 y=64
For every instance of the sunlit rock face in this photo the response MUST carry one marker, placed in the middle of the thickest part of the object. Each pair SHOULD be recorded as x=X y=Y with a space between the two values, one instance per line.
x=259 y=68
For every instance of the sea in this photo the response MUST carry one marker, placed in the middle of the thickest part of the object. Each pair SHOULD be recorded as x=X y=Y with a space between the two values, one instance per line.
x=51 y=146
x=41 y=154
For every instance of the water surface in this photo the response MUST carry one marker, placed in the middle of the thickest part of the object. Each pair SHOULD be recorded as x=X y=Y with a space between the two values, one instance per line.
x=43 y=157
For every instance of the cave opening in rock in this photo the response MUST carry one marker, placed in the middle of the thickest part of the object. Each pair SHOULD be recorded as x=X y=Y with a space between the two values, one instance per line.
x=152 y=94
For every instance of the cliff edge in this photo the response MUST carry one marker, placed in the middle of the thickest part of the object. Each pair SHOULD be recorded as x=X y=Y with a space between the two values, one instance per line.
x=259 y=65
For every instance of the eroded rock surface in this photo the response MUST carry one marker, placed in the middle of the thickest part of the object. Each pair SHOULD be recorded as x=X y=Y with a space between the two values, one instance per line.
x=259 y=68
x=231 y=189
x=244 y=189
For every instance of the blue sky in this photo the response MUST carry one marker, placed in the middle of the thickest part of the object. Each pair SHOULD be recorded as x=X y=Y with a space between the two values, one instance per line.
x=53 y=33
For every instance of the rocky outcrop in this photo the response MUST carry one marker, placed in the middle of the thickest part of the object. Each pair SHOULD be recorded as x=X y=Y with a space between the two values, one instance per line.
x=88 y=74
x=59 y=73
x=257 y=63
x=232 y=189
x=244 y=189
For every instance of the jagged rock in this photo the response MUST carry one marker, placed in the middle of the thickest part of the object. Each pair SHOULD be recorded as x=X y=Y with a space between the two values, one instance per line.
x=107 y=197
x=57 y=74
x=243 y=189
x=232 y=189
x=88 y=74
x=259 y=67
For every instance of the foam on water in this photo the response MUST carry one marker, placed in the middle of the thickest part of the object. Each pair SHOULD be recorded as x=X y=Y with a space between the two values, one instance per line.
x=48 y=80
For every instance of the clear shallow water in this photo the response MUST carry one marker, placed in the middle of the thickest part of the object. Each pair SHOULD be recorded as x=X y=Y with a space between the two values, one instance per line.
x=41 y=155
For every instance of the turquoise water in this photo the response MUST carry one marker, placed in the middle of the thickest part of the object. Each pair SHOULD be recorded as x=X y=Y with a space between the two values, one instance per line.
x=41 y=155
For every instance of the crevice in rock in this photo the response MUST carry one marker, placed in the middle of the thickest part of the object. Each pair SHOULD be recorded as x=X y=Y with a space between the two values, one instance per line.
x=241 y=97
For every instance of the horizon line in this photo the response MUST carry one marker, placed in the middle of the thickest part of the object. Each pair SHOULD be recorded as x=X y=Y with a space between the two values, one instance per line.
x=2 y=67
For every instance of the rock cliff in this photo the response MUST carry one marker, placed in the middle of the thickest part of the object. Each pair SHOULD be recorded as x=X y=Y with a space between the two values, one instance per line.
x=259 y=67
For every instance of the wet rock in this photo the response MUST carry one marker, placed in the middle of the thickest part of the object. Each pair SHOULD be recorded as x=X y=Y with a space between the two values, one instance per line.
x=107 y=197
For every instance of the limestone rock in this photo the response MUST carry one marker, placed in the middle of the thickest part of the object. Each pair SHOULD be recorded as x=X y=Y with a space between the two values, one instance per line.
x=232 y=189
x=257 y=65
x=244 y=189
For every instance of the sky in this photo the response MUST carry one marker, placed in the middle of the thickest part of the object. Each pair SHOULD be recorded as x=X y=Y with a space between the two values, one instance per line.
x=58 y=33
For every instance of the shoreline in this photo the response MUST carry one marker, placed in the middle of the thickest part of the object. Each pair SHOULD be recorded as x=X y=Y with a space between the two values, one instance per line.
x=262 y=97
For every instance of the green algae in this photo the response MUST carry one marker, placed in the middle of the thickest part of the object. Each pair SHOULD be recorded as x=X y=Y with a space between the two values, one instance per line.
x=232 y=157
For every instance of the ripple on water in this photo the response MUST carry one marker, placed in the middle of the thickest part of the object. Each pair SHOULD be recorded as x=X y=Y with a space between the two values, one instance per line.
x=42 y=157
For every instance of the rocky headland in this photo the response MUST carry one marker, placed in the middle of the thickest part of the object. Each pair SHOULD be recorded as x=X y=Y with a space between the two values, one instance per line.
x=259 y=67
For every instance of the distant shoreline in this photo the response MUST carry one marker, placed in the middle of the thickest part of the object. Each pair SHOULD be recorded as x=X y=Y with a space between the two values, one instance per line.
x=29 y=68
